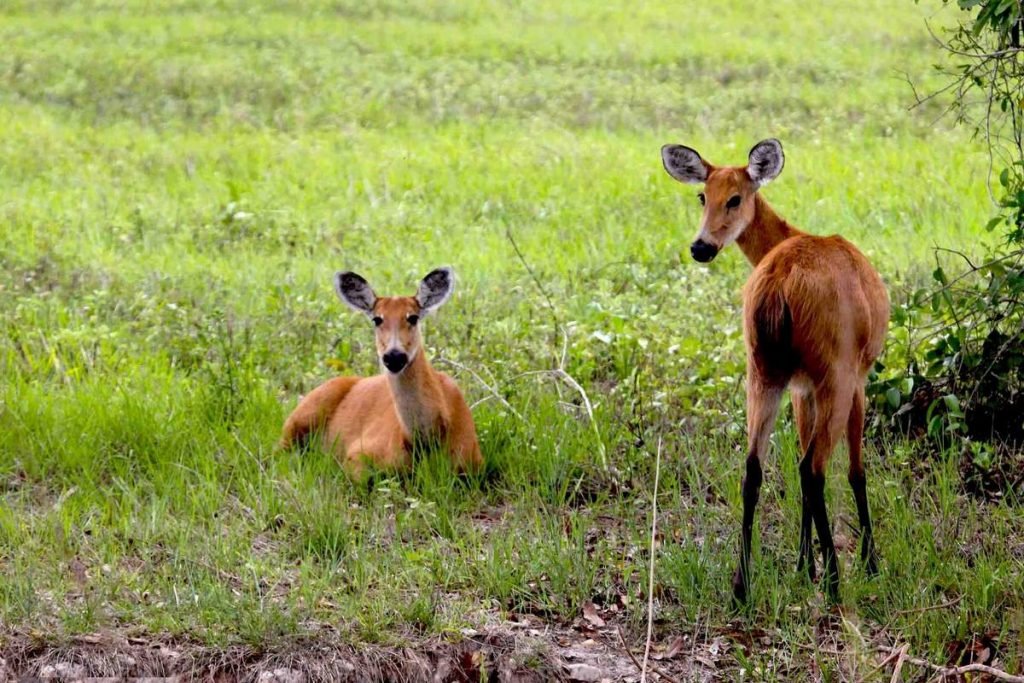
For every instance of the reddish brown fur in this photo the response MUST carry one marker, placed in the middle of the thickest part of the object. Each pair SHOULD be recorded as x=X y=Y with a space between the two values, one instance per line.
x=815 y=316
x=378 y=418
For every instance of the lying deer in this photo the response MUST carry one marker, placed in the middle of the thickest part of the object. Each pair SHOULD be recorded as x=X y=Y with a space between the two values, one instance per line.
x=815 y=314
x=380 y=419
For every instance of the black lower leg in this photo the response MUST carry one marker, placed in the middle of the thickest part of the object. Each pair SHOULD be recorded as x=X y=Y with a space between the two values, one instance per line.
x=867 y=540
x=814 y=485
x=751 y=492
x=806 y=542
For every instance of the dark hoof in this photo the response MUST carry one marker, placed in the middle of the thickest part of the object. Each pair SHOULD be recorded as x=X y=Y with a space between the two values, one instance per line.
x=871 y=565
x=739 y=590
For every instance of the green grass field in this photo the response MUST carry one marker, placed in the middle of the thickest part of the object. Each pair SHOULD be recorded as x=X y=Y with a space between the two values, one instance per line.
x=179 y=180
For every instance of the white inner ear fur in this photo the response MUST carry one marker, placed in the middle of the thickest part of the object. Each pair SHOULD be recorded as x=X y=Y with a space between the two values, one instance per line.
x=765 y=161
x=355 y=292
x=435 y=289
x=684 y=164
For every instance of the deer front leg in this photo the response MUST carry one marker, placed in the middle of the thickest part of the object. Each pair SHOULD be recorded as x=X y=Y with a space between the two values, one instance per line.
x=762 y=407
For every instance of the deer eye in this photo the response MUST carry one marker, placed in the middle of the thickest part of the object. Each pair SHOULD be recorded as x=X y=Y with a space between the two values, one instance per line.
x=412 y=319
x=378 y=321
x=733 y=202
x=701 y=198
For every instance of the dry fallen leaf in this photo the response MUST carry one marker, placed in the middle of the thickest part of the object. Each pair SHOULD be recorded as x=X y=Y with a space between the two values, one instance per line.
x=591 y=615
x=674 y=648
x=980 y=649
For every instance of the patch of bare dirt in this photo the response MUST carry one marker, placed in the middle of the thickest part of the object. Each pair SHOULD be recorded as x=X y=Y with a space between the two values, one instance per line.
x=496 y=659
x=521 y=650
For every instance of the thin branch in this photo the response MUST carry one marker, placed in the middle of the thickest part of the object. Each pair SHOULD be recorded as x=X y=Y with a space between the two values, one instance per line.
x=919 y=101
x=901 y=656
x=480 y=380
x=983 y=54
x=881 y=665
x=639 y=668
x=987 y=264
x=961 y=254
x=955 y=672
x=559 y=373
x=650 y=580
x=536 y=280
x=917 y=610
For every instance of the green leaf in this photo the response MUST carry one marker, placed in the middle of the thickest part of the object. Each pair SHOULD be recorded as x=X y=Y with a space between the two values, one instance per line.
x=893 y=397
x=952 y=404
x=1004 y=177
x=985 y=15
x=991 y=225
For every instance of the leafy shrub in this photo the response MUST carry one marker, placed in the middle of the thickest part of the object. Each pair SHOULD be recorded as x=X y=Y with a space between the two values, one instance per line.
x=957 y=357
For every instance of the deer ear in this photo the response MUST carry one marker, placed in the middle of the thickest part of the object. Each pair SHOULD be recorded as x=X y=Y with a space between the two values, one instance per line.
x=355 y=291
x=684 y=164
x=765 y=161
x=435 y=289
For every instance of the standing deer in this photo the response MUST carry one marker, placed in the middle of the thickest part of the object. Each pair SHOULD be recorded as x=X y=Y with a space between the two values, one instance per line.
x=382 y=418
x=815 y=315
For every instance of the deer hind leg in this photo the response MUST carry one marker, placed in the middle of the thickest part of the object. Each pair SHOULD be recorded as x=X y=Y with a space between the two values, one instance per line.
x=314 y=411
x=762 y=407
x=855 y=438
x=803 y=414
x=832 y=410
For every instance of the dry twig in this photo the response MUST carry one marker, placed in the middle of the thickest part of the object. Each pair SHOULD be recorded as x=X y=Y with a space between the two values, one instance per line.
x=650 y=580
x=943 y=673
x=480 y=380
x=560 y=372
x=588 y=407
x=954 y=672
x=901 y=654
x=637 y=664
x=930 y=608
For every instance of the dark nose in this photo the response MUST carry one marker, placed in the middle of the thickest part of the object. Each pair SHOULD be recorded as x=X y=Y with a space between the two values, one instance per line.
x=703 y=251
x=394 y=360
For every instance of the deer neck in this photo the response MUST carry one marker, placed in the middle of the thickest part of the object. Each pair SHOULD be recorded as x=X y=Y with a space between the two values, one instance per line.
x=417 y=395
x=764 y=233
